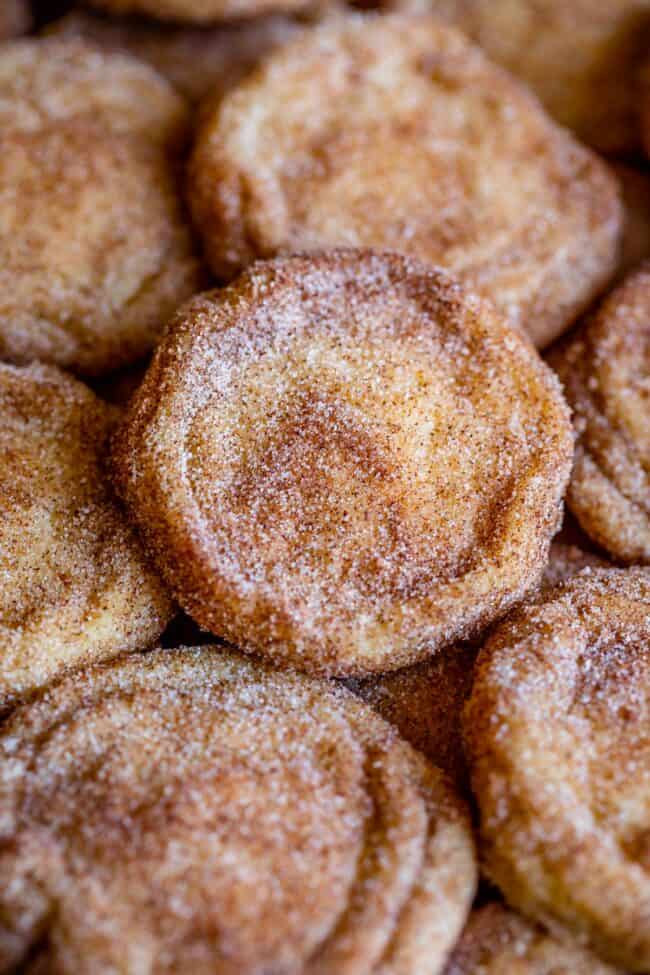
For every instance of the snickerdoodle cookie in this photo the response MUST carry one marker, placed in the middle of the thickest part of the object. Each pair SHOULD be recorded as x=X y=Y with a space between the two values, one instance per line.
x=95 y=250
x=74 y=582
x=191 y=811
x=559 y=751
x=605 y=368
x=581 y=58
x=14 y=18
x=345 y=462
x=396 y=133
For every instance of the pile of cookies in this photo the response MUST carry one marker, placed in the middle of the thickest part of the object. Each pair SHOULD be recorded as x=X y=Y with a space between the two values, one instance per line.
x=313 y=319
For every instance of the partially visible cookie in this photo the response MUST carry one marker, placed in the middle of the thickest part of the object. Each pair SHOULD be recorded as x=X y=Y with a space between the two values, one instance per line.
x=605 y=368
x=50 y=81
x=425 y=702
x=395 y=133
x=644 y=103
x=192 y=811
x=497 y=941
x=95 y=247
x=556 y=735
x=199 y=61
x=74 y=583
x=582 y=58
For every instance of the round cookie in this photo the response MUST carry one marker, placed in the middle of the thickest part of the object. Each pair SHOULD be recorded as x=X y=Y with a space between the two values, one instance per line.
x=425 y=704
x=199 y=61
x=582 y=59
x=95 y=253
x=395 y=133
x=15 y=18
x=557 y=741
x=497 y=941
x=74 y=583
x=605 y=368
x=188 y=810
x=201 y=11
x=95 y=250
x=345 y=462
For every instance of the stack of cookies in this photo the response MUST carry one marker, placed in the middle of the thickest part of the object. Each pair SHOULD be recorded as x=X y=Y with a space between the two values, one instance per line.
x=325 y=488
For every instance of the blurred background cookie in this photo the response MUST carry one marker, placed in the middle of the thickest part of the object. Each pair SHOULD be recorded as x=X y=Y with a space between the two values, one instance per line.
x=425 y=703
x=198 y=61
x=497 y=941
x=566 y=560
x=635 y=245
x=95 y=250
x=605 y=368
x=397 y=134
x=582 y=58
x=200 y=11
x=49 y=82
x=644 y=104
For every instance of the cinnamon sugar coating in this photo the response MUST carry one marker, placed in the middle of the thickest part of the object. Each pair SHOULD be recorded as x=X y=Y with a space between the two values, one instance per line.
x=556 y=733
x=581 y=58
x=74 y=583
x=95 y=251
x=199 y=61
x=53 y=81
x=425 y=702
x=191 y=811
x=200 y=11
x=395 y=133
x=15 y=18
x=605 y=369
x=345 y=462
x=497 y=941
